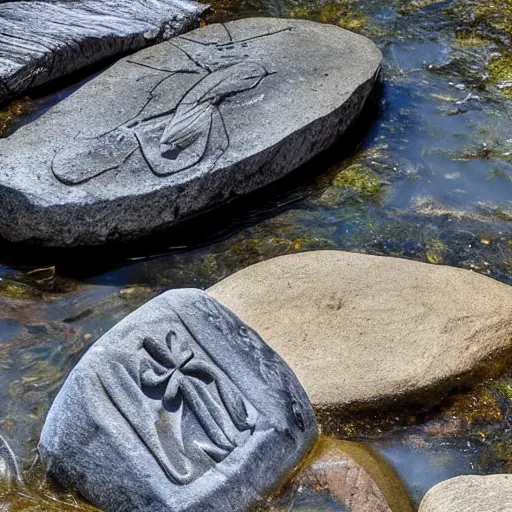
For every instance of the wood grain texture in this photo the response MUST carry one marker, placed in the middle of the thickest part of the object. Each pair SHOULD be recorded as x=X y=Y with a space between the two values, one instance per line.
x=41 y=41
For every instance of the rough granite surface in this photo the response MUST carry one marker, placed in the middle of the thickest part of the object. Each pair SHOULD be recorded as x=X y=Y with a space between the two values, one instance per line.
x=179 y=407
x=44 y=40
x=490 y=493
x=180 y=127
x=366 y=331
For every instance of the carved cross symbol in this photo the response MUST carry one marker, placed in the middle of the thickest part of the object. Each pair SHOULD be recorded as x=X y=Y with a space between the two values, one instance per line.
x=197 y=383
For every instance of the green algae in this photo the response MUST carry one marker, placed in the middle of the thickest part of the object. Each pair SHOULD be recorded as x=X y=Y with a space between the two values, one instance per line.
x=343 y=13
x=43 y=375
x=486 y=22
x=457 y=415
x=500 y=73
x=360 y=181
x=251 y=250
x=467 y=39
x=38 y=494
x=40 y=497
x=416 y=5
x=435 y=251
x=505 y=388
x=16 y=290
x=478 y=407
x=490 y=18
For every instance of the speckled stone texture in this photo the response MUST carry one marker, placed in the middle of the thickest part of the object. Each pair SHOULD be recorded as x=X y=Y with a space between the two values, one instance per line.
x=179 y=407
x=180 y=127
x=44 y=40
x=491 y=493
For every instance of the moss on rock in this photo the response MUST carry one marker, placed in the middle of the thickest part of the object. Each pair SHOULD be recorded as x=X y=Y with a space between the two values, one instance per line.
x=500 y=73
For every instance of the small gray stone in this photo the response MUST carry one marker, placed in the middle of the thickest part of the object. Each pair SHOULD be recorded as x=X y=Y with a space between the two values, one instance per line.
x=9 y=469
x=180 y=127
x=179 y=407
x=41 y=41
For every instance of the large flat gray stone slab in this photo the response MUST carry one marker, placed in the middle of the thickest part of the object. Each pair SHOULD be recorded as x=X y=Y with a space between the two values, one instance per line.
x=180 y=127
x=41 y=41
x=179 y=407
x=363 y=332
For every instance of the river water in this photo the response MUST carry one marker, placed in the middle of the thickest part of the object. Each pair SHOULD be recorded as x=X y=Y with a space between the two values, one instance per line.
x=426 y=174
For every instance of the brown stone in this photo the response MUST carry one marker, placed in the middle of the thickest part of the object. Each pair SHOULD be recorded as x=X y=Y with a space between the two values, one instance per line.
x=355 y=476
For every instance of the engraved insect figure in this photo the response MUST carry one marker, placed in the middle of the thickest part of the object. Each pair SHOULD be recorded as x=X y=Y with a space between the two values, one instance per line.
x=172 y=141
x=199 y=385
x=197 y=130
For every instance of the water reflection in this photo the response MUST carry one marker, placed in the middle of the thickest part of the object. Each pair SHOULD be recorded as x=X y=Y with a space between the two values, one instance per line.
x=423 y=467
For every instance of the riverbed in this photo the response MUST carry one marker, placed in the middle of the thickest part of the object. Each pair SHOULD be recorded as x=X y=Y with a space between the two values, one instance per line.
x=426 y=174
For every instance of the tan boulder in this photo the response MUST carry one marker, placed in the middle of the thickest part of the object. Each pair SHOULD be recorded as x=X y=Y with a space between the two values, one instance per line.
x=491 y=493
x=363 y=331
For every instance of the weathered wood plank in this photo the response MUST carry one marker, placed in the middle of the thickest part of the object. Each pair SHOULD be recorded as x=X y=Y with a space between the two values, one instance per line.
x=41 y=41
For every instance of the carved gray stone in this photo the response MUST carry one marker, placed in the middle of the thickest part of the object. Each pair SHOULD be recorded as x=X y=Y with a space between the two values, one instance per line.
x=180 y=127
x=44 y=40
x=179 y=407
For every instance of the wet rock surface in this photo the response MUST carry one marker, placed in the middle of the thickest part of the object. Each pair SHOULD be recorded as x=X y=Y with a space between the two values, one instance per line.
x=41 y=41
x=492 y=493
x=354 y=476
x=182 y=406
x=362 y=331
x=180 y=127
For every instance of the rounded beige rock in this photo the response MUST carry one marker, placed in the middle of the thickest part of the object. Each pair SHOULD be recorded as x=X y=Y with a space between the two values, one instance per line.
x=363 y=331
x=491 y=493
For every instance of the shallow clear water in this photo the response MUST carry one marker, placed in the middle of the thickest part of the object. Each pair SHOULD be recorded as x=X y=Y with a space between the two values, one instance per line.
x=426 y=174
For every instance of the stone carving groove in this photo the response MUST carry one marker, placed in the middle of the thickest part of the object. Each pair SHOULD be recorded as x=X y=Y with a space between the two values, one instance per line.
x=182 y=127
x=185 y=383
x=277 y=376
x=174 y=140
x=184 y=137
x=174 y=406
